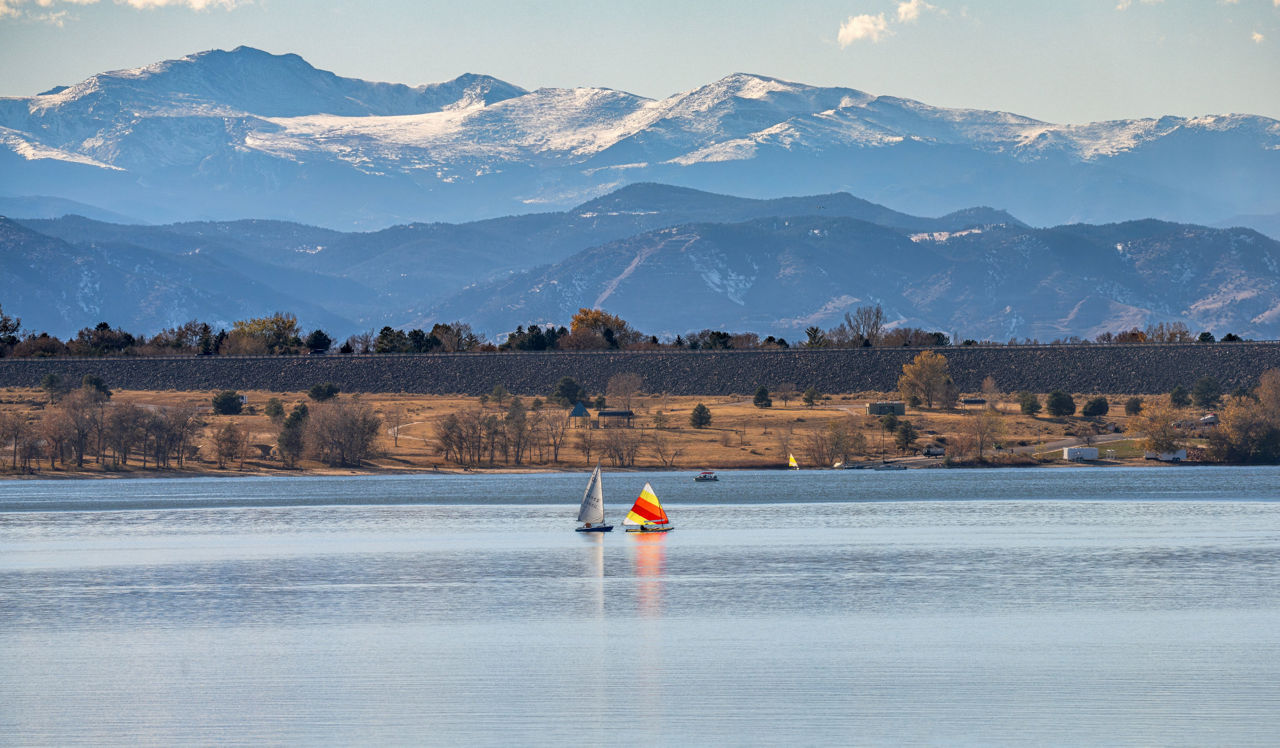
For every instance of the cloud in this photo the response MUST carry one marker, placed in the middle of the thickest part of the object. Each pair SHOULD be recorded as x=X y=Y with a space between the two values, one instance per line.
x=55 y=13
x=865 y=26
x=192 y=4
x=1258 y=38
x=910 y=10
x=1125 y=4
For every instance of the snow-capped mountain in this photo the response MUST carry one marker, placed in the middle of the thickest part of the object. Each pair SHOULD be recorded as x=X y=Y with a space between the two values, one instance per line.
x=246 y=133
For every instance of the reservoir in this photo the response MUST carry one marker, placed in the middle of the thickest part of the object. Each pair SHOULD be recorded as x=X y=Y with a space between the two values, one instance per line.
x=922 y=607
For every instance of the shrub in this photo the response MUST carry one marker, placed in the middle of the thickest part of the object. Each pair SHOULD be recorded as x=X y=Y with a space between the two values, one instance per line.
x=1179 y=398
x=1095 y=407
x=762 y=399
x=1060 y=404
x=1029 y=403
x=1133 y=406
x=322 y=392
x=227 y=403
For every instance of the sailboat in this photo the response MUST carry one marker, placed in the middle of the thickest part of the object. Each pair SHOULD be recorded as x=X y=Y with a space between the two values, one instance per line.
x=791 y=462
x=592 y=510
x=646 y=514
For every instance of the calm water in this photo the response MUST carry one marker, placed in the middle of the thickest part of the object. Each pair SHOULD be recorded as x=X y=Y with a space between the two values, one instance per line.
x=1079 y=607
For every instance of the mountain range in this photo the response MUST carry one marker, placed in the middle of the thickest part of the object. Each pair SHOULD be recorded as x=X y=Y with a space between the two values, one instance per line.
x=223 y=135
x=669 y=260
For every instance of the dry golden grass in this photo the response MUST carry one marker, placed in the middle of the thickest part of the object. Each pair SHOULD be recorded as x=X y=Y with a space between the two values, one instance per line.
x=740 y=435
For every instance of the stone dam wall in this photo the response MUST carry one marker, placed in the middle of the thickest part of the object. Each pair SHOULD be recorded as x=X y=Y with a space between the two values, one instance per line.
x=1137 y=369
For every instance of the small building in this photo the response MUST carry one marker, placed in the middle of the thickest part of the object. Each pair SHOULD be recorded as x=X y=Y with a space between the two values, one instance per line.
x=968 y=401
x=1177 y=456
x=615 y=418
x=935 y=450
x=579 y=417
x=1079 y=454
x=887 y=407
x=1209 y=420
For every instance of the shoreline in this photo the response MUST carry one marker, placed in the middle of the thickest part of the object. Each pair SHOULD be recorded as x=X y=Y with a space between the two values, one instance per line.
x=182 y=474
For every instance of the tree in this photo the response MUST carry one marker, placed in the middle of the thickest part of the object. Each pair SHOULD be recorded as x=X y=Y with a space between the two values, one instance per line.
x=866 y=325
x=1206 y=337
x=586 y=441
x=785 y=391
x=9 y=329
x=94 y=383
x=991 y=391
x=228 y=443
x=927 y=378
x=567 y=392
x=596 y=328
x=395 y=419
x=816 y=337
x=1157 y=425
x=342 y=432
x=499 y=394
x=622 y=387
x=1028 y=403
x=904 y=437
x=274 y=410
x=1060 y=404
x=319 y=340
x=272 y=335
x=1133 y=406
x=1179 y=398
x=1206 y=392
x=323 y=392
x=664 y=448
x=227 y=403
x=700 y=418
x=811 y=396
x=54 y=386
x=14 y=430
x=983 y=429
x=762 y=399
x=1095 y=407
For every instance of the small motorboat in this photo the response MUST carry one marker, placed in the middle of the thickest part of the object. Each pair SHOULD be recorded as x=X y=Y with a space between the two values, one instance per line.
x=706 y=476
x=890 y=466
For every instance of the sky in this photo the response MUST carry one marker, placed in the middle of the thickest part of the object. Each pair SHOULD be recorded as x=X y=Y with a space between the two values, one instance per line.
x=1072 y=61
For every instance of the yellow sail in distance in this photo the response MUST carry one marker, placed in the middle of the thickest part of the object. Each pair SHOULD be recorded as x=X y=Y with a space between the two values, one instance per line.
x=791 y=461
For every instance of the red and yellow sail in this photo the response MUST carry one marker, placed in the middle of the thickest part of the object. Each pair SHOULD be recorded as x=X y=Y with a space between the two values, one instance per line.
x=646 y=510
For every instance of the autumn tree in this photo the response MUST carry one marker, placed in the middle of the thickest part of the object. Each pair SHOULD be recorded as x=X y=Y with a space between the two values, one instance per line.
x=272 y=335
x=1156 y=424
x=342 y=432
x=928 y=379
x=596 y=328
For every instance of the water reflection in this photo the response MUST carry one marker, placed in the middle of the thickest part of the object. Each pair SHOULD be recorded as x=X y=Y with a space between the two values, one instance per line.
x=647 y=558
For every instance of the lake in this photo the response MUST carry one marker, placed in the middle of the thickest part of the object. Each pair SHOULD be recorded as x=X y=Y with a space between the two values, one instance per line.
x=973 y=607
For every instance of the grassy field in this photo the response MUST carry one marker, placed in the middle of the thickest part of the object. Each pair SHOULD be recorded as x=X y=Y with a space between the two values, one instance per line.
x=740 y=435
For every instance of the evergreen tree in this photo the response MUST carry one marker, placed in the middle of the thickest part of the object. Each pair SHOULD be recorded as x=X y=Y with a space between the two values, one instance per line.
x=1060 y=404
x=700 y=418
x=762 y=399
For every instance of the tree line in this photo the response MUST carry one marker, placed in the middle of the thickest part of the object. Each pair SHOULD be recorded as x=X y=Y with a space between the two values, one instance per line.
x=588 y=329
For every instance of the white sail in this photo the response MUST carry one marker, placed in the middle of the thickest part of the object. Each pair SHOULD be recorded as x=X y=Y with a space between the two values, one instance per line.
x=592 y=509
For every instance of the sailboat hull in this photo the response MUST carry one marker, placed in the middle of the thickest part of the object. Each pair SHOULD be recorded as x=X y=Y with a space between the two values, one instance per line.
x=650 y=529
x=600 y=528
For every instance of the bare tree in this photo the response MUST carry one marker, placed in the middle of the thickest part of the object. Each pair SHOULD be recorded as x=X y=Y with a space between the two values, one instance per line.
x=984 y=429
x=622 y=387
x=991 y=391
x=55 y=430
x=866 y=323
x=555 y=426
x=785 y=391
x=82 y=417
x=123 y=429
x=14 y=430
x=622 y=446
x=228 y=442
x=342 y=431
x=664 y=448
x=395 y=419
x=585 y=441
